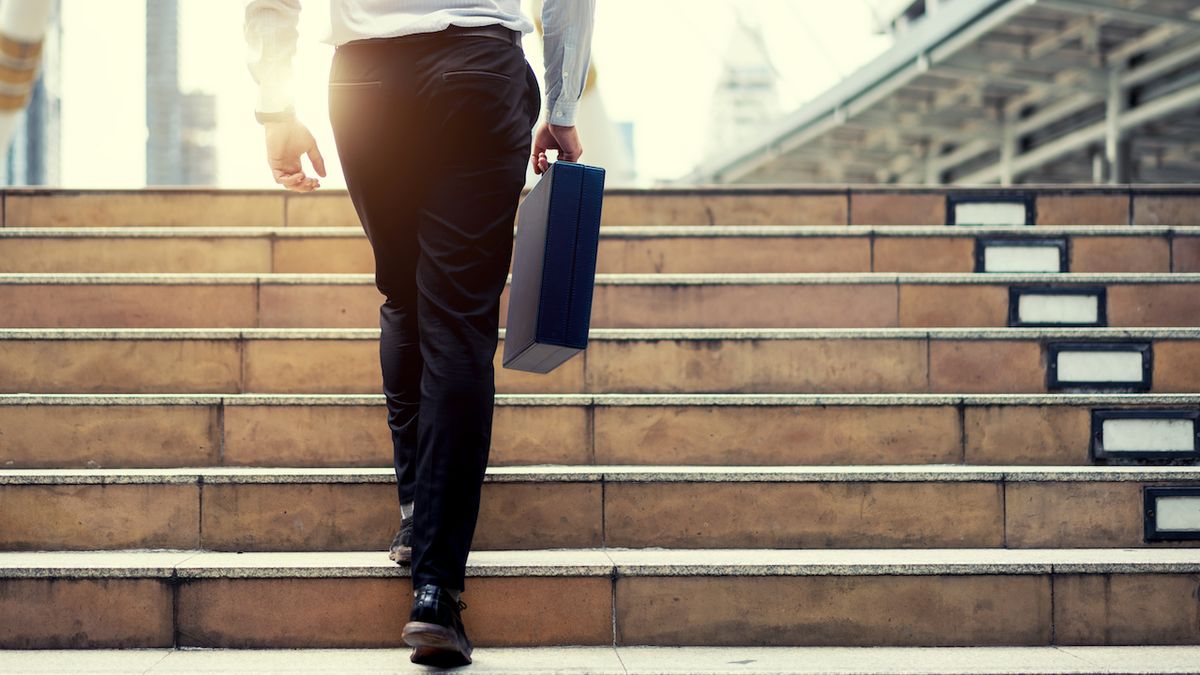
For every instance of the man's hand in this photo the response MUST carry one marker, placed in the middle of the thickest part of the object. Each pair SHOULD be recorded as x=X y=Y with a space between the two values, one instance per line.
x=553 y=137
x=286 y=142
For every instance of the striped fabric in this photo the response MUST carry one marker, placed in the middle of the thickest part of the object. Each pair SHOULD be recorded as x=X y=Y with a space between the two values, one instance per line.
x=19 y=62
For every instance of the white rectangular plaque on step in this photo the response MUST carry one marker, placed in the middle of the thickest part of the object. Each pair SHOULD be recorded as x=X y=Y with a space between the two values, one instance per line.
x=989 y=213
x=1100 y=366
x=1051 y=306
x=1171 y=513
x=1125 y=366
x=1177 y=514
x=1064 y=310
x=1140 y=435
x=1001 y=258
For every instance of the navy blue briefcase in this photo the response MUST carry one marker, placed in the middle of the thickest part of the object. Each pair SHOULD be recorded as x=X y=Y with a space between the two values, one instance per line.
x=554 y=268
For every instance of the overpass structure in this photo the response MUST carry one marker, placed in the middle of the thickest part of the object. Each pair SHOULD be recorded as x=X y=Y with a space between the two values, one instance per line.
x=1000 y=92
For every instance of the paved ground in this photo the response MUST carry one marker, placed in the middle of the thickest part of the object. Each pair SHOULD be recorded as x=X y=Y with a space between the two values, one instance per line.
x=883 y=660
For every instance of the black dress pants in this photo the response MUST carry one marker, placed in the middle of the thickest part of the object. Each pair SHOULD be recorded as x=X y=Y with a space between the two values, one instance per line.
x=433 y=131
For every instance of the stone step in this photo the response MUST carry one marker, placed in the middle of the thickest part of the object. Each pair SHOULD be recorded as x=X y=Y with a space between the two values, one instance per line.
x=828 y=205
x=623 y=660
x=349 y=430
x=605 y=597
x=548 y=507
x=627 y=250
x=880 y=360
x=867 y=300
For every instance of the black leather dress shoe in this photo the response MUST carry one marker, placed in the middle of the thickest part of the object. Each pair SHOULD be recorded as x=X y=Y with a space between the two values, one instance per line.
x=401 y=549
x=435 y=629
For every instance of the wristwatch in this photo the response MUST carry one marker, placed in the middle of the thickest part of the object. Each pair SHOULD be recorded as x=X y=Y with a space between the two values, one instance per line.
x=286 y=115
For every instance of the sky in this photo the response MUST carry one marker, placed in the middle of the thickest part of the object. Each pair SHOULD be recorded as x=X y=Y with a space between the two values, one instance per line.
x=657 y=62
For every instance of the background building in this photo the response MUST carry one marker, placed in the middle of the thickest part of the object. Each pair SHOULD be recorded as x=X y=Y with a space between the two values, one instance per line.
x=181 y=139
x=999 y=92
x=745 y=98
x=34 y=155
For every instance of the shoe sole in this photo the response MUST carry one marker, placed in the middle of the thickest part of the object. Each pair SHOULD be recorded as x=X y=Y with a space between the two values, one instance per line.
x=401 y=556
x=435 y=645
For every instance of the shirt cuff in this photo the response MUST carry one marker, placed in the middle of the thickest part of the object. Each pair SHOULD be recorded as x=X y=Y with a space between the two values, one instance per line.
x=563 y=113
x=273 y=98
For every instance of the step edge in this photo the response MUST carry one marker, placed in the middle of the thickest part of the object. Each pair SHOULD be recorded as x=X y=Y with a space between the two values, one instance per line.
x=622 y=400
x=627 y=334
x=640 y=279
x=610 y=562
x=619 y=231
x=649 y=474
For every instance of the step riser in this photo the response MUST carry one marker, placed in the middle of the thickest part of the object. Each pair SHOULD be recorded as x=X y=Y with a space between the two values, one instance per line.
x=129 y=613
x=178 y=254
x=547 y=515
x=661 y=366
x=934 y=610
x=674 y=255
x=117 y=436
x=871 y=611
x=165 y=208
x=877 y=305
x=314 y=517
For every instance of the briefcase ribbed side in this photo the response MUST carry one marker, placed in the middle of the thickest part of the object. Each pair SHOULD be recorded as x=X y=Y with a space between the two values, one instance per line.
x=569 y=268
x=554 y=268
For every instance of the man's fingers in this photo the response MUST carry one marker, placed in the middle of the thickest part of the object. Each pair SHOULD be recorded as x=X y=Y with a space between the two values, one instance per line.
x=538 y=159
x=281 y=169
x=297 y=181
x=318 y=162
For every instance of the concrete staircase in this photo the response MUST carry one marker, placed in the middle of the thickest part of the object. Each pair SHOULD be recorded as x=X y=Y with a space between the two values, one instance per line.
x=809 y=417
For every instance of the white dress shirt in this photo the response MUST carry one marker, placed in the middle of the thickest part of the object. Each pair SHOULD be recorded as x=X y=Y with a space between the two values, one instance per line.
x=270 y=31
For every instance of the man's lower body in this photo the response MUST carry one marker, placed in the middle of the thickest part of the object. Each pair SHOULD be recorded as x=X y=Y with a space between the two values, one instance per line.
x=433 y=132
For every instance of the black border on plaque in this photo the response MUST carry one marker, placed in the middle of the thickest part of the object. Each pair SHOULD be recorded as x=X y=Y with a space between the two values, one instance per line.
x=1150 y=493
x=1146 y=349
x=1014 y=305
x=1098 y=416
x=998 y=196
x=981 y=243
